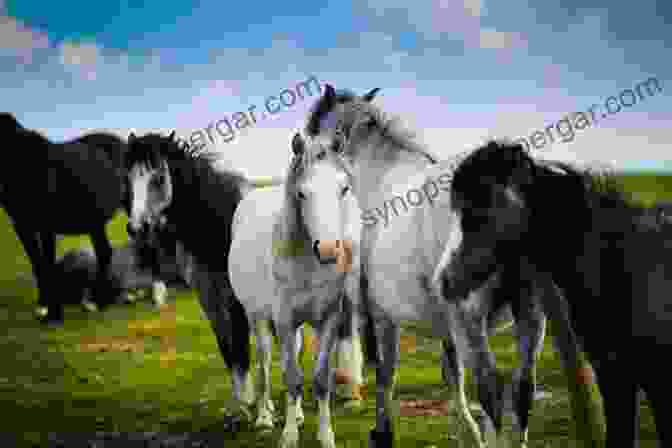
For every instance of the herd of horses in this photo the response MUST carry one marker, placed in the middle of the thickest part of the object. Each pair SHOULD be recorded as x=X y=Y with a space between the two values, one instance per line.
x=516 y=239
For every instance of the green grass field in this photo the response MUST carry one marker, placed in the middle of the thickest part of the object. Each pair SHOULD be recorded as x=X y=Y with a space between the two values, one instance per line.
x=132 y=369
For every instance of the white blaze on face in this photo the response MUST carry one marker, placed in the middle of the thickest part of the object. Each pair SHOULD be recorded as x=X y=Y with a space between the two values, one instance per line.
x=139 y=177
x=152 y=192
x=323 y=206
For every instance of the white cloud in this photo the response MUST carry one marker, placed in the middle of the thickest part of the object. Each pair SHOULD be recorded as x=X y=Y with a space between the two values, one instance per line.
x=19 y=39
x=83 y=57
x=452 y=18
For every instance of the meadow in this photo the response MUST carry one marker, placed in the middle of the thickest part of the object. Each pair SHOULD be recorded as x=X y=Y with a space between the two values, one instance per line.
x=138 y=374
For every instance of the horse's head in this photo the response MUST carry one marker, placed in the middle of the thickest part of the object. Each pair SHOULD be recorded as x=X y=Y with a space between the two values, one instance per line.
x=318 y=188
x=491 y=209
x=149 y=186
x=347 y=125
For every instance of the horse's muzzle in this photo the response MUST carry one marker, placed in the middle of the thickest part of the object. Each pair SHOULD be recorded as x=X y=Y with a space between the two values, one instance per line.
x=324 y=252
x=334 y=252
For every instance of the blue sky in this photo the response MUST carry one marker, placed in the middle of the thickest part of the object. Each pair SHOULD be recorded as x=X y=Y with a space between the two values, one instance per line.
x=457 y=70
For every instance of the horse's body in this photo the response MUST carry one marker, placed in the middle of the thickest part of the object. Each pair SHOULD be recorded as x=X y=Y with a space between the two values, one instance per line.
x=76 y=271
x=181 y=186
x=277 y=277
x=400 y=255
x=77 y=177
x=178 y=185
x=610 y=258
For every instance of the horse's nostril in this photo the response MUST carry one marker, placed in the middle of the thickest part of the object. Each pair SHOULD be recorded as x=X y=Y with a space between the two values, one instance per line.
x=130 y=230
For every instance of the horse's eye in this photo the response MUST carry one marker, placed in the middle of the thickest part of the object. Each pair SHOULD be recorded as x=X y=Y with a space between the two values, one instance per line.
x=160 y=180
x=345 y=190
x=321 y=155
x=337 y=146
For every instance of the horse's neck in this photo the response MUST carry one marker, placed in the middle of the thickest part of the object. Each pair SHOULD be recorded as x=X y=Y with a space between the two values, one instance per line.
x=379 y=173
x=290 y=225
x=181 y=207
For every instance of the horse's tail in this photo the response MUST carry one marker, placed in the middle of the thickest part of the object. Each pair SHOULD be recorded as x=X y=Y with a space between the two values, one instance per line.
x=370 y=340
x=240 y=335
x=234 y=344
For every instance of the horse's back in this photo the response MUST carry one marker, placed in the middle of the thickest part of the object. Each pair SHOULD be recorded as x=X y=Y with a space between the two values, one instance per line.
x=71 y=188
x=84 y=182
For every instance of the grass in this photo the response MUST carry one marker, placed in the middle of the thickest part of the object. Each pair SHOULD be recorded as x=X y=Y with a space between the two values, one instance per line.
x=133 y=369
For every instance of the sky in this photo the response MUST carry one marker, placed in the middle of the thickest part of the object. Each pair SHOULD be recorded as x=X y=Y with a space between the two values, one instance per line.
x=458 y=71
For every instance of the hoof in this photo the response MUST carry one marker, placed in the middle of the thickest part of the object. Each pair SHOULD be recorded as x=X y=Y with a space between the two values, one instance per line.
x=51 y=319
x=232 y=423
x=289 y=438
x=327 y=439
x=128 y=298
x=89 y=306
x=378 y=439
x=41 y=311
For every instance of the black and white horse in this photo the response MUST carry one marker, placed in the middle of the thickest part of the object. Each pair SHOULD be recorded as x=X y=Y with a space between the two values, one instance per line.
x=611 y=259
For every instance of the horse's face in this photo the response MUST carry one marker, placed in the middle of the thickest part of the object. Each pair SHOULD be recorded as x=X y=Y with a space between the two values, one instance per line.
x=150 y=192
x=489 y=226
x=347 y=127
x=322 y=193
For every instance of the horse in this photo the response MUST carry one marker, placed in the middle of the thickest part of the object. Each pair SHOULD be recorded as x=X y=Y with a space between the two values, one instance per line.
x=81 y=178
x=506 y=203
x=400 y=255
x=176 y=186
x=297 y=284
x=131 y=269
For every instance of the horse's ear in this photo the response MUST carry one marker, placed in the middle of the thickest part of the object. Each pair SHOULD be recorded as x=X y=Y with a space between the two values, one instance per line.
x=371 y=95
x=172 y=135
x=297 y=144
x=329 y=94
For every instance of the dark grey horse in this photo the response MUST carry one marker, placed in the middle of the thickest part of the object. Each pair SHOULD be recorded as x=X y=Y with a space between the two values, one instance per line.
x=611 y=258
x=129 y=270
x=69 y=188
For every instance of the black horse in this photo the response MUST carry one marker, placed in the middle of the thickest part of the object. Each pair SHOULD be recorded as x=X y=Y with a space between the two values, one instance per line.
x=611 y=258
x=174 y=188
x=69 y=188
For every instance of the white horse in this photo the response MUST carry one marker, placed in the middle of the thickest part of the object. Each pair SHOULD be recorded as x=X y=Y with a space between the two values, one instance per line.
x=278 y=274
x=389 y=171
x=179 y=187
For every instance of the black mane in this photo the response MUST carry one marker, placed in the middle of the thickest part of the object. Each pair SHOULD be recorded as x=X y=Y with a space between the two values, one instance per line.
x=506 y=163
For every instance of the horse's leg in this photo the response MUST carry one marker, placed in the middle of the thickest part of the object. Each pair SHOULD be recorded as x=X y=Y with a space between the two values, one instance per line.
x=530 y=331
x=350 y=356
x=659 y=395
x=48 y=244
x=264 y=360
x=323 y=382
x=213 y=301
x=382 y=436
x=490 y=385
x=31 y=243
x=102 y=288
x=300 y=350
x=453 y=374
x=293 y=376
x=159 y=293
x=619 y=395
